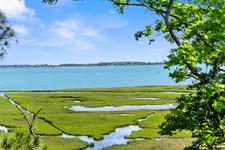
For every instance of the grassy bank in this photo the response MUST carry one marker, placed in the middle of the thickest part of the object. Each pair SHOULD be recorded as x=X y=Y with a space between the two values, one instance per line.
x=163 y=144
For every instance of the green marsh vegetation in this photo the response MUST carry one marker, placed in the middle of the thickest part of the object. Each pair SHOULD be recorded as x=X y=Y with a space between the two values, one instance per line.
x=95 y=124
x=12 y=118
x=53 y=104
x=163 y=144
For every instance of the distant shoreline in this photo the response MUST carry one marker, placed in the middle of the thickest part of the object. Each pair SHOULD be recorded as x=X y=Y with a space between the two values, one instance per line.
x=84 y=65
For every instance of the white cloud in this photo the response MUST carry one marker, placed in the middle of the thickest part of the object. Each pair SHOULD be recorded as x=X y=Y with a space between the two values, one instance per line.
x=74 y=28
x=73 y=34
x=16 y=9
x=70 y=34
x=20 y=29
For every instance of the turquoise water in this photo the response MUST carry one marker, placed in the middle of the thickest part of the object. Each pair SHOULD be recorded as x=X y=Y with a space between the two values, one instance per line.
x=82 y=77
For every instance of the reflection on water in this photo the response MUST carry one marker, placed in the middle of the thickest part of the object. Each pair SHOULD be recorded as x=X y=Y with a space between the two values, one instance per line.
x=141 y=120
x=176 y=92
x=117 y=137
x=87 y=139
x=146 y=98
x=3 y=128
x=120 y=108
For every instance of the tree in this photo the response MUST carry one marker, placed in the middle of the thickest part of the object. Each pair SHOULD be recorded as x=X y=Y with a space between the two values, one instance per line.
x=6 y=33
x=197 y=28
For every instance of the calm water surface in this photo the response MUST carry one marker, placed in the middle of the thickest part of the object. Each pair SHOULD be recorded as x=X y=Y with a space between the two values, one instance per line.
x=120 y=108
x=82 y=77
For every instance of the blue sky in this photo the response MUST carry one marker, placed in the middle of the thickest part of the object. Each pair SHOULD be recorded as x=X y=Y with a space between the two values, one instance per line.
x=87 y=32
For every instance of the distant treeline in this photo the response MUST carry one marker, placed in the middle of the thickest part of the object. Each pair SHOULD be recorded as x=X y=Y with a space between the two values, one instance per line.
x=91 y=64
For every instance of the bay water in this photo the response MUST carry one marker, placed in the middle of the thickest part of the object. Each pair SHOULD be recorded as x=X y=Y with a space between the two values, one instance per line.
x=83 y=77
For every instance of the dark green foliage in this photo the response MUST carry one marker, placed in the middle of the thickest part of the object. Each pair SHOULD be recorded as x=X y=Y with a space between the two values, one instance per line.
x=147 y=32
x=49 y=1
x=21 y=141
x=54 y=1
x=201 y=113
x=6 y=33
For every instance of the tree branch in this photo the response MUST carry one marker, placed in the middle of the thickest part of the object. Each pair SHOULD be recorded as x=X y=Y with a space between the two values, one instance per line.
x=165 y=15
x=30 y=122
x=193 y=70
x=126 y=4
x=142 y=4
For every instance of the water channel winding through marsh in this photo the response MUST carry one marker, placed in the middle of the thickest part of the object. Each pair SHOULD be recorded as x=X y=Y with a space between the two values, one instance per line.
x=118 y=136
x=121 y=108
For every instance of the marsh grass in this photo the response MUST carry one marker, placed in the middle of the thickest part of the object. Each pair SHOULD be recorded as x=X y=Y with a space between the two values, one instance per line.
x=12 y=118
x=151 y=128
x=163 y=144
x=58 y=143
x=95 y=124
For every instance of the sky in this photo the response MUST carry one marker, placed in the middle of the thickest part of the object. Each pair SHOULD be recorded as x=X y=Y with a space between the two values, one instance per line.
x=91 y=31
